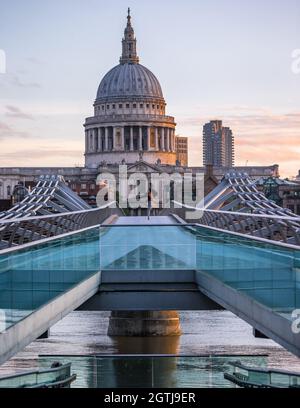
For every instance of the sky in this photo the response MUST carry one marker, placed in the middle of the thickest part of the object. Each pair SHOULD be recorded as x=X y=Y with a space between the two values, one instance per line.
x=215 y=59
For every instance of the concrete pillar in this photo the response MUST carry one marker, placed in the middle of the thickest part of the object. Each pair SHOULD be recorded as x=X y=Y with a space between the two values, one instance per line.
x=162 y=136
x=144 y=324
x=131 y=138
x=156 y=139
x=148 y=138
x=140 y=138
x=106 y=139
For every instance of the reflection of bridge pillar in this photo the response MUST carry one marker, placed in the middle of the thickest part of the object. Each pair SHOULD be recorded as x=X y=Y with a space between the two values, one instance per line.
x=144 y=324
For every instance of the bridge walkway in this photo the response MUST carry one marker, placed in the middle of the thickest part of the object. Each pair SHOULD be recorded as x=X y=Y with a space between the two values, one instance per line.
x=168 y=266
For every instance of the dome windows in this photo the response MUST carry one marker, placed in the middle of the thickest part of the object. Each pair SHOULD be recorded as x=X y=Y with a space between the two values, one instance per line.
x=138 y=107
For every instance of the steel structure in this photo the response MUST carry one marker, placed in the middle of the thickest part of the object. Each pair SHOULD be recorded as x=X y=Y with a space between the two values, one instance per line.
x=237 y=205
x=51 y=209
x=51 y=195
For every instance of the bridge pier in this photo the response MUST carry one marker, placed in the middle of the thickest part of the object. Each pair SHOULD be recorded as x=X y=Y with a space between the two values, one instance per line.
x=144 y=323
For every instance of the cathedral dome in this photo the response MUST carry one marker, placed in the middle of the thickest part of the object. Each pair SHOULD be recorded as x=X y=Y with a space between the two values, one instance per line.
x=129 y=115
x=129 y=80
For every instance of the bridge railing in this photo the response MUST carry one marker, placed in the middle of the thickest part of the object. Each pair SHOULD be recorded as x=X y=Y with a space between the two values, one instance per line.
x=19 y=231
x=275 y=227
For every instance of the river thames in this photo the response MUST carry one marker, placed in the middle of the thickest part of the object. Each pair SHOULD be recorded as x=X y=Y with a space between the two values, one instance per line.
x=82 y=335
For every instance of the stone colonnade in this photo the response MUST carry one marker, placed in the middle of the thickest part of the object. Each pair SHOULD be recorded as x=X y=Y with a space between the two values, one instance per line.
x=129 y=138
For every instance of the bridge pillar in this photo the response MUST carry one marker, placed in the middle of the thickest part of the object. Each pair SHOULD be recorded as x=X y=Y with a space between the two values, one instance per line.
x=144 y=324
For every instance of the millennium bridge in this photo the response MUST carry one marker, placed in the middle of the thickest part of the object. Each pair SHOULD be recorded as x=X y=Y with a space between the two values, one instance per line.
x=58 y=255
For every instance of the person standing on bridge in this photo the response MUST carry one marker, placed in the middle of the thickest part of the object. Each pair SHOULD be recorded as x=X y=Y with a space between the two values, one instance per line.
x=149 y=204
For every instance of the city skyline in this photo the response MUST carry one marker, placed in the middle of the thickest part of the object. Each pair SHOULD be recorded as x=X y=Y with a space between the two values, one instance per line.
x=47 y=91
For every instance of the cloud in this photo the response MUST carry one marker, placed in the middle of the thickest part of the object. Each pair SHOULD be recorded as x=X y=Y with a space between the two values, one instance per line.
x=42 y=158
x=16 y=81
x=262 y=137
x=254 y=121
x=34 y=60
x=15 y=112
x=42 y=153
x=7 y=132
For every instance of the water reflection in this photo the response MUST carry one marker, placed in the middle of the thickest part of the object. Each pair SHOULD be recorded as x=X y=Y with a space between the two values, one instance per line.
x=152 y=371
x=147 y=345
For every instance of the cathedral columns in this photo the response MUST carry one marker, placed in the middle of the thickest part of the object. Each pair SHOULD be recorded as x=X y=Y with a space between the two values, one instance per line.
x=140 y=138
x=131 y=138
x=148 y=138
x=114 y=138
x=168 y=141
x=174 y=140
x=95 y=141
x=156 y=139
x=162 y=138
x=122 y=138
x=86 y=141
x=91 y=141
x=99 y=139
x=106 y=139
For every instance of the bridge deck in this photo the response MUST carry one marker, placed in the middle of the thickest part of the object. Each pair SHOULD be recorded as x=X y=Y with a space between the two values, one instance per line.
x=140 y=220
x=258 y=281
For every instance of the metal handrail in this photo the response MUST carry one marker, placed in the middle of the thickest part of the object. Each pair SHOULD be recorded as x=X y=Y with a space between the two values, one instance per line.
x=60 y=215
x=246 y=214
x=274 y=227
x=15 y=232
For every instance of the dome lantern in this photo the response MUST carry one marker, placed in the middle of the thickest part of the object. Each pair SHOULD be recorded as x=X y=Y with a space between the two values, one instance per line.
x=129 y=53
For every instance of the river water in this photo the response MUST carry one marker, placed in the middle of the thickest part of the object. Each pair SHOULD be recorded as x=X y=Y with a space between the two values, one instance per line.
x=204 y=333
